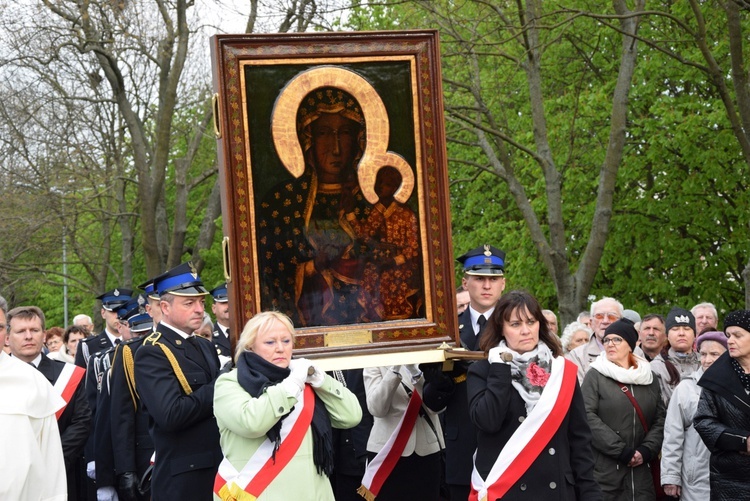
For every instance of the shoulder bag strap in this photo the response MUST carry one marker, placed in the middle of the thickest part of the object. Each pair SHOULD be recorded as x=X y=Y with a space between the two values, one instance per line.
x=633 y=401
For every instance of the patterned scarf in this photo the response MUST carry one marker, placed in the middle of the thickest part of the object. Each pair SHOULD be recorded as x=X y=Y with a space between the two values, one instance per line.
x=744 y=377
x=529 y=372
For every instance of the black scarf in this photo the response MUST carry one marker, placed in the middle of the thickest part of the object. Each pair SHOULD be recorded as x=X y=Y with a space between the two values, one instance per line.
x=255 y=374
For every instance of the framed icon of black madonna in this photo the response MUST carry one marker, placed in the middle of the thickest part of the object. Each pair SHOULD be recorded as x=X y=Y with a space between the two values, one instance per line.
x=335 y=190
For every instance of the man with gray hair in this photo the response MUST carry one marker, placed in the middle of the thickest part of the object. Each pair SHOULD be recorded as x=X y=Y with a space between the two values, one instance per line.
x=706 y=317
x=604 y=312
x=551 y=321
x=84 y=321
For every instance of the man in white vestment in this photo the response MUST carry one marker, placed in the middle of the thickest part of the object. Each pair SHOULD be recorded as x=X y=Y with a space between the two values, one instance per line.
x=31 y=457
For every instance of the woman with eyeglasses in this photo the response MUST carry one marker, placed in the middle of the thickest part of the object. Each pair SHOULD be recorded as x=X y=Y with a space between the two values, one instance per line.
x=533 y=438
x=626 y=415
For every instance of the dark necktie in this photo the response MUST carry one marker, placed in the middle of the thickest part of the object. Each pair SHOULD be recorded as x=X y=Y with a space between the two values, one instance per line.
x=193 y=351
x=481 y=321
x=117 y=341
x=227 y=333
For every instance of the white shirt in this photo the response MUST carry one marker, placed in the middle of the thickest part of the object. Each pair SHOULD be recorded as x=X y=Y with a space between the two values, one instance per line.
x=475 y=316
x=183 y=335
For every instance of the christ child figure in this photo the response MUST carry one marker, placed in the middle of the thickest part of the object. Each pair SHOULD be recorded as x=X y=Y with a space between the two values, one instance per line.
x=389 y=288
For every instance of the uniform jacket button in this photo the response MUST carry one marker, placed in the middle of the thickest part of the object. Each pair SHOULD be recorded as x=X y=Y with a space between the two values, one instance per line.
x=551 y=451
x=523 y=487
x=521 y=419
x=281 y=409
x=552 y=485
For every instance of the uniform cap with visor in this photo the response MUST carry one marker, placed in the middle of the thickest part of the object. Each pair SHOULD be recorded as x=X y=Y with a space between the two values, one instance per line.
x=219 y=293
x=149 y=288
x=182 y=280
x=484 y=261
x=114 y=299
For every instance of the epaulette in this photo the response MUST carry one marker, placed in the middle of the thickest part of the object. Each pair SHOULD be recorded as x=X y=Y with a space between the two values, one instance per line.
x=131 y=341
x=153 y=340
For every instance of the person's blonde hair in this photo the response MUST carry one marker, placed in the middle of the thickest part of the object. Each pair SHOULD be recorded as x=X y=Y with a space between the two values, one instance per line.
x=259 y=324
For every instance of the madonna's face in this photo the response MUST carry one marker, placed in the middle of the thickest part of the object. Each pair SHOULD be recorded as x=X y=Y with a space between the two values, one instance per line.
x=334 y=145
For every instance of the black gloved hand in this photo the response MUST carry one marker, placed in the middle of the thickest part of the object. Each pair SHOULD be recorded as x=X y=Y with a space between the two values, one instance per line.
x=127 y=486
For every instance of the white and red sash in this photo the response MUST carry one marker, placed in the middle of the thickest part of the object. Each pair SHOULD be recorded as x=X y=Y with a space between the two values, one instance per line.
x=529 y=439
x=383 y=463
x=66 y=384
x=261 y=469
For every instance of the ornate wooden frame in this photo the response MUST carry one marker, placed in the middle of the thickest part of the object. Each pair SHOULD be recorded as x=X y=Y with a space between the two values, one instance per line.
x=250 y=74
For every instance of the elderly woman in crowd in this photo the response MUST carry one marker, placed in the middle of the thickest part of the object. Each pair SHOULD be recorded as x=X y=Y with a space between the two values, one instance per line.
x=626 y=415
x=67 y=353
x=275 y=417
x=723 y=415
x=528 y=409
x=684 y=457
x=53 y=339
x=574 y=335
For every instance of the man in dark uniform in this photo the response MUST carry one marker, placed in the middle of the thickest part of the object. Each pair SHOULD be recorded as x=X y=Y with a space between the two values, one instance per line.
x=96 y=345
x=152 y=304
x=484 y=279
x=220 y=310
x=101 y=363
x=26 y=339
x=132 y=446
x=175 y=372
x=111 y=302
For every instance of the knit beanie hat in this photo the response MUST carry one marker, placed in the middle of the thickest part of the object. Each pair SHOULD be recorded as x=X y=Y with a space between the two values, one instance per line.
x=740 y=318
x=625 y=328
x=717 y=336
x=679 y=316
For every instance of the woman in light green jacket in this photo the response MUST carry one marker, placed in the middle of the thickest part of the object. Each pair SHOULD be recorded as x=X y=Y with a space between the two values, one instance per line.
x=275 y=417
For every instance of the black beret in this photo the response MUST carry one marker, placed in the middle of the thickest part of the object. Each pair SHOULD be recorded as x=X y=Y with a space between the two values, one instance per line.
x=625 y=328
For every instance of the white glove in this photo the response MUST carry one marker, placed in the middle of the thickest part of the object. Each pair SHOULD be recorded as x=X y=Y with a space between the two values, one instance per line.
x=106 y=494
x=495 y=356
x=91 y=470
x=414 y=372
x=317 y=378
x=295 y=381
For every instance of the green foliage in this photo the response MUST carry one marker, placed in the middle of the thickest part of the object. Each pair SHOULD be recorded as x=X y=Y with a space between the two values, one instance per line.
x=679 y=231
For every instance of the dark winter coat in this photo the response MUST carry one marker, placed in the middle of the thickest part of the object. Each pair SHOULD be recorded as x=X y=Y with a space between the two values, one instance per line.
x=723 y=422
x=617 y=433
x=564 y=469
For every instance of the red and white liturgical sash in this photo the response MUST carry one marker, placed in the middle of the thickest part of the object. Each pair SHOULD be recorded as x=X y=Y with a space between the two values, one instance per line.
x=261 y=469
x=383 y=463
x=529 y=439
x=66 y=384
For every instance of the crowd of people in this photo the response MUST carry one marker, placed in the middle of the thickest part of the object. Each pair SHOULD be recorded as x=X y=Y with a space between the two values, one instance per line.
x=156 y=406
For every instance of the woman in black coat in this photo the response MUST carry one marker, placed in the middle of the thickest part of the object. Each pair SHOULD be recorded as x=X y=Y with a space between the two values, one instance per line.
x=534 y=440
x=723 y=415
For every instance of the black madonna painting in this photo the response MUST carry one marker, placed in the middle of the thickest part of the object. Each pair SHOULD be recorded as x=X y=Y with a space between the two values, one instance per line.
x=334 y=186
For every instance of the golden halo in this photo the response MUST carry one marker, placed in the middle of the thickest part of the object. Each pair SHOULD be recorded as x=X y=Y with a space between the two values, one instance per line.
x=377 y=128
